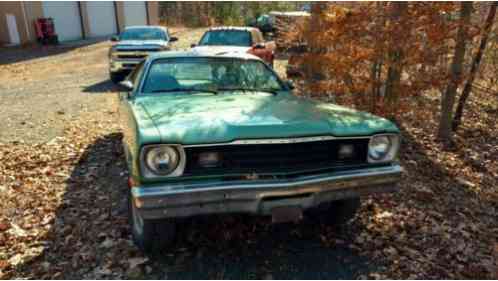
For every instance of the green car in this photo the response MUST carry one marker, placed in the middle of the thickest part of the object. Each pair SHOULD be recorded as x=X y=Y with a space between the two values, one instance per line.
x=222 y=133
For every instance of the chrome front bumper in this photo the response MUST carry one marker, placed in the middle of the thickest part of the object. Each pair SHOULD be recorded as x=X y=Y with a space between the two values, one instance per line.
x=261 y=196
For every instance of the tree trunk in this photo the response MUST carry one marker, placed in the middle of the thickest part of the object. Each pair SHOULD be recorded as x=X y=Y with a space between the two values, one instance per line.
x=395 y=57
x=312 y=69
x=448 y=98
x=374 y=85
x=475 y=66
x=376 y=70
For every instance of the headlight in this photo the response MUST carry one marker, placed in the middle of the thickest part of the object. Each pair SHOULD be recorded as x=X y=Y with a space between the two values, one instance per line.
x=383 y=148
x=163 y=160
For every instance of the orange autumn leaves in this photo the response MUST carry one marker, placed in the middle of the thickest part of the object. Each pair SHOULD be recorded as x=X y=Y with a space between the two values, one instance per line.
x=353 y=47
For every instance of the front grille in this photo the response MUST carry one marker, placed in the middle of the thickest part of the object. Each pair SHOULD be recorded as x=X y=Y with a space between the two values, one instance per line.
x=276 y=159
x=135 y=54
x=132 y=56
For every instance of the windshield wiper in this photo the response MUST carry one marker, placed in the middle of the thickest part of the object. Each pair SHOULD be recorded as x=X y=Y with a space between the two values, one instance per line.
x=185 y=90
x=271 y=91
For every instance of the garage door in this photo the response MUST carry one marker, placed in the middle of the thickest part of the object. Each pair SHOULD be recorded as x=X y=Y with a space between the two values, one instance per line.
x=101 y=18
x=66 y=17
x=135 y=13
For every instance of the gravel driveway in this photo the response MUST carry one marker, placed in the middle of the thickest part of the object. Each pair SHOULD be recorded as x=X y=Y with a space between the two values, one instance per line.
x=44 y=87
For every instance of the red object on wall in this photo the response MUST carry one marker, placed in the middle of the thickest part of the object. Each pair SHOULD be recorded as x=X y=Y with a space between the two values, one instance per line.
x=45 y=31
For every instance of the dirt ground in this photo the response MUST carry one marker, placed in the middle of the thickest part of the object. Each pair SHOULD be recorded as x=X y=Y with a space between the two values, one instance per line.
x=63 y=186
x=45 y=87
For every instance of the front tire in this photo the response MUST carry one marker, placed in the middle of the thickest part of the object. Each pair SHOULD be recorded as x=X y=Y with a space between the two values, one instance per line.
x=149 y=235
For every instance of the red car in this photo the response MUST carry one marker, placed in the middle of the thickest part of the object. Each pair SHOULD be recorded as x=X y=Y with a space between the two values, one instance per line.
x=236 y=39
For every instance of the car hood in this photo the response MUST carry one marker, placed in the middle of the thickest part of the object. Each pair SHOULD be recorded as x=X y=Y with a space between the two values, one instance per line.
x=213 y=50
x=206 y=118
x=135 y=44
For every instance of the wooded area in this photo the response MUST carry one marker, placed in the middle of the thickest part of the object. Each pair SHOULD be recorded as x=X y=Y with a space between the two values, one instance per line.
x=379 y=56
x=194 y=14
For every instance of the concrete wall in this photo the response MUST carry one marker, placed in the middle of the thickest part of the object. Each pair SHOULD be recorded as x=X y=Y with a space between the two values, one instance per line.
x=153 y=11
x=34 y=10
x=120 y=16
x=84 y=19
x=14 y=8
x=26 y=12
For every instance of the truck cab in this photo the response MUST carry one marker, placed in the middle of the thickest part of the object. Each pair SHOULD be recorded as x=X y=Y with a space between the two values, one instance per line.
x=238 y=40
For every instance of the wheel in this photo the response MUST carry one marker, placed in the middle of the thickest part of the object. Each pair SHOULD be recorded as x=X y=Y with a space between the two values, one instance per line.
x=337 y=212
x=149 y=235
x=116 y=77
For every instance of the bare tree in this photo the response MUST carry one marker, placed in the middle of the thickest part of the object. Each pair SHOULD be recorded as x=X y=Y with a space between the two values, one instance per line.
x=475 y=66
x=395 y=57
x=448 y=98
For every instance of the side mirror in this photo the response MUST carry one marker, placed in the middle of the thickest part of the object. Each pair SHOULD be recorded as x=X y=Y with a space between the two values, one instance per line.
x=127 y=84
x=193 y=45
x=115 y=38
x=259 y=46
x=290 y=84
x=173 y=39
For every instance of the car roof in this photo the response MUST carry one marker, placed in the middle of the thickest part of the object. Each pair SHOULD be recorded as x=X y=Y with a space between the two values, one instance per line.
x=203 y=54
x=238 y=28
x=145 y=26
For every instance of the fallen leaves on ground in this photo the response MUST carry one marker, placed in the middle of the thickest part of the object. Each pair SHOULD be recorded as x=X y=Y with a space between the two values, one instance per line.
x=62 y=214
x=443 y=222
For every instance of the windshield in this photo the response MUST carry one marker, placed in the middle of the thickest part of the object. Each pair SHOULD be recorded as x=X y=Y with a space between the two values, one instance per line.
x=210 y=75
x=143 y=34
x=226 y=38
